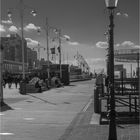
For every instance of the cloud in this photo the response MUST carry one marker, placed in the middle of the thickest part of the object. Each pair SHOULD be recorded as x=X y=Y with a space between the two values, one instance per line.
x=31 y=26
x=31 y=42
x=13 y=29
x=122 y=14
x=137 y=46
x=2 y=28
x=125 y=15
x=117 y=45
x=67 y=37
x=73 y=43
x=8 y=35
x=7 y=21
x=101 y=44
x=127 y=45
x=118 y=14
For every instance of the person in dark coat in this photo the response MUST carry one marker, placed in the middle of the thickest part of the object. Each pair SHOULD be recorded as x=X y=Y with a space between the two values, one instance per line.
x=16 y=81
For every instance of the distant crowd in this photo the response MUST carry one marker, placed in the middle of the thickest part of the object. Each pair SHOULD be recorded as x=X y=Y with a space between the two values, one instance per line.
x=9 y=79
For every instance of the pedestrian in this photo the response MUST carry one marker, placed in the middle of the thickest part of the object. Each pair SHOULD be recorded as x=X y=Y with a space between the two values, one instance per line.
x=16 y=81
x=37 y=85
x=4 y=83
x=9 y=80
x=47 y=83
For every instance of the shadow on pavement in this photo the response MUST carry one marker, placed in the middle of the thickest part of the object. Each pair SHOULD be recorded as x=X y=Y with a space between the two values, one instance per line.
x=5 y=107
x=42 y=99
x=122 y=118
x=70 y=85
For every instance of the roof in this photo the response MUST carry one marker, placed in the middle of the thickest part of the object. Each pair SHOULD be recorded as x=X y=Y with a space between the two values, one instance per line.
x=127 y=55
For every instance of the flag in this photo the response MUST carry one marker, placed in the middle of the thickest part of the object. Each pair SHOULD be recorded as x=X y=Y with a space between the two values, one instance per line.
x=1 y=47
x=52 y=50
x=58 y=49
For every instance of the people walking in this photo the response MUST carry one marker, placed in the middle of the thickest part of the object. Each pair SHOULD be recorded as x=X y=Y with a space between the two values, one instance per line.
x=16 y=81
x=9 y=80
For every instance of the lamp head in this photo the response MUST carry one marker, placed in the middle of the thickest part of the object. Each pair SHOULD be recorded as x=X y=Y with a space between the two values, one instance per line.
x=111 y=4
x=39 y=30
x=56 y=31
x=38 y=43
x=67 y=37
x=33 y=12
x=9 y=13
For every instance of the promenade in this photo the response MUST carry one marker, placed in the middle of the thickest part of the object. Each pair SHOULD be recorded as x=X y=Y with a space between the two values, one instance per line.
x=65 y=113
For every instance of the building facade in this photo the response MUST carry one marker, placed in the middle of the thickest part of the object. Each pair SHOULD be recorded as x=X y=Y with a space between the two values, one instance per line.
x=12 y=54
x=31 y=58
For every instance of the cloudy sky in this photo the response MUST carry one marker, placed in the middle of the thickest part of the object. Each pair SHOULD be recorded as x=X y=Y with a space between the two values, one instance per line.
x=84 y=21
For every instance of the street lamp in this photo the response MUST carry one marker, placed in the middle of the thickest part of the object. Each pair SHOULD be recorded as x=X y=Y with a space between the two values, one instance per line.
x=33 y=12
x=47 y=29
x=111 y=5
x=58 y=32
x=67 y=38
x=60 y=51
x=9 y=13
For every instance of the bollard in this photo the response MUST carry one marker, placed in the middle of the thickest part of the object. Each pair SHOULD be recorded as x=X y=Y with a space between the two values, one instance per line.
x=22 y=87
x=97 y=105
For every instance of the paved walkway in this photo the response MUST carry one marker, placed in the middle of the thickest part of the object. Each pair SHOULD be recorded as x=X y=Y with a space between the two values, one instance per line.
x=85 y=126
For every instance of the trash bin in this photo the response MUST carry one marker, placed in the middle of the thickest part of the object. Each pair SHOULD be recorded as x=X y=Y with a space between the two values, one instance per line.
x=97 y=106
x=22 y=87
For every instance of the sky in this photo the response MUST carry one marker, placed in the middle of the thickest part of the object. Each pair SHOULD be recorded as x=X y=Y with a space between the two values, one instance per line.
x=83 y=21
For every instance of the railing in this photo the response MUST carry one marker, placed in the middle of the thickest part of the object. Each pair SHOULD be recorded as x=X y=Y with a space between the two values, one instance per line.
x=126 y=101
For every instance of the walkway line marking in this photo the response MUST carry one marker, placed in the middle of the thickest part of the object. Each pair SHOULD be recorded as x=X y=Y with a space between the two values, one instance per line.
x=29 y=119
x=1 y=114
x=6 y=134
x=88 y=104
x=16 y=108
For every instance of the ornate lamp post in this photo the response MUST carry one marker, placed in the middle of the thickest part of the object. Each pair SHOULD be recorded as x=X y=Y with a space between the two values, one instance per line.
x=111 y=5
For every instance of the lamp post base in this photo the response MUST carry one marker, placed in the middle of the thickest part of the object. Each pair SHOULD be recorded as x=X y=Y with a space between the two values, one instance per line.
x=23 y=87
x=112 y=125
x=2 y=103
